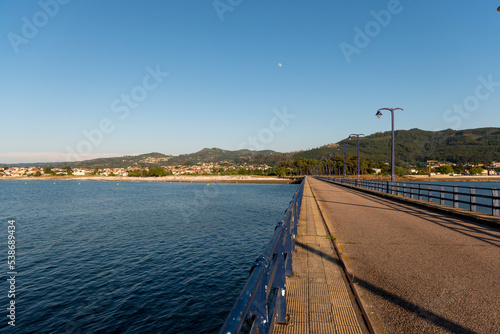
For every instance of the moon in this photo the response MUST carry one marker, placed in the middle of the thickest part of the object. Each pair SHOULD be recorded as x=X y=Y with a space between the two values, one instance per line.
x=280 y=64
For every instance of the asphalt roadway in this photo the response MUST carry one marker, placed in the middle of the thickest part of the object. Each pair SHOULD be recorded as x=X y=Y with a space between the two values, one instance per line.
x=420 y=271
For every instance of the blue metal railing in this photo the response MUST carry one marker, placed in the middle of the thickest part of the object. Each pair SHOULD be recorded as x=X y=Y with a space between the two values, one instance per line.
x=262 y=303
x=480 y=199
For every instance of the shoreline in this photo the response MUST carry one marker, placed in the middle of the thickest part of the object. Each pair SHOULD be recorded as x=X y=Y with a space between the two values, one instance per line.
x=170 y=178
x=246 y=178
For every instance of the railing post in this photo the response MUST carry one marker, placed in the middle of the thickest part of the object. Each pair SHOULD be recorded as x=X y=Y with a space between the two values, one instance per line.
x=455 y=197
x=429 y=199
x=282 y=257
x=442 y=195
x=259 y=303
x=293 y=223
x=287 y=250
x=419 y=191
x=473 y=199
x=495 y=209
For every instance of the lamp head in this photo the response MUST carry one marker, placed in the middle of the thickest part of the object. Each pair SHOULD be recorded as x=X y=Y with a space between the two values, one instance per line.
x=498 y=9
x=378 y=114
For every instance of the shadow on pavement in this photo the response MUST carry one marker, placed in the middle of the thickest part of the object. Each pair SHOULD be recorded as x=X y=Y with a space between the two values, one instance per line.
x=396 y=300
x=459 y=225
x=413 y=308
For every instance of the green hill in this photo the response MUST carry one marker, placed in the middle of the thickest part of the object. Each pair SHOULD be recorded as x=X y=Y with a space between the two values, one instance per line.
x=219 y=155
x=414 y=147
x=206 y=155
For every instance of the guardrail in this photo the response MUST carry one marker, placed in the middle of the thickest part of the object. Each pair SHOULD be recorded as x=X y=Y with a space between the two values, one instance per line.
x=480 y=199
x=262 y=303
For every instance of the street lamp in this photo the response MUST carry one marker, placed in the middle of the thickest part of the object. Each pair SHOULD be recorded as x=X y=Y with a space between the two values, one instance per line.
x=343 y=170
x=335 y=165
x=357 y=135
x=330 y=165
x=378 y=114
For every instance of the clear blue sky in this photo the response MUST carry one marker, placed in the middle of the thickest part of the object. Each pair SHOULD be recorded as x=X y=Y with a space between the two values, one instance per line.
x=69 y=66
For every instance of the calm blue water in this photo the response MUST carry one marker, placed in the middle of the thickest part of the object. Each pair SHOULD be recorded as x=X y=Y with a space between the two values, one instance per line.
x=133 y=257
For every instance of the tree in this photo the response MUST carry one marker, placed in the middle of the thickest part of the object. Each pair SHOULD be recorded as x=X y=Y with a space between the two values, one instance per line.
x=281 y=171
x=476 y=170
x=47 y=170
x=400 y=171
x=385 y=169
x=135 y=172
x=286 y=164
x=459 y=169
x=68 y=169
x=38 y=173
x=157 y=171
x=446 y=170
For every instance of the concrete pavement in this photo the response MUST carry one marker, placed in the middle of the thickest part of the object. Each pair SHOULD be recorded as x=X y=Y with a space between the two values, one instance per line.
x=421 y=271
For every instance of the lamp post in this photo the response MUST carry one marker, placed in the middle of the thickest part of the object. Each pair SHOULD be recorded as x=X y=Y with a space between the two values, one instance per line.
x=378 y=114
x=329 y=167
x=335 y=165
x=357 y=135
x=343 y=170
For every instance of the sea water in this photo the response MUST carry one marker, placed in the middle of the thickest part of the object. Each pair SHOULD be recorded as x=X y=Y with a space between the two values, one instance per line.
x=132 y=257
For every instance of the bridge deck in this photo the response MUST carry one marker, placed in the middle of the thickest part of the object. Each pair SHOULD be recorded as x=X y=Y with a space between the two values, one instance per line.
x=319 y=298
x=420 y=271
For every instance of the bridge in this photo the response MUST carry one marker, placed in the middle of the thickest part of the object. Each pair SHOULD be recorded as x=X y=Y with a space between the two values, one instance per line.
x=368 y=261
